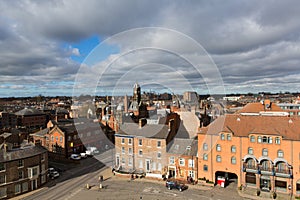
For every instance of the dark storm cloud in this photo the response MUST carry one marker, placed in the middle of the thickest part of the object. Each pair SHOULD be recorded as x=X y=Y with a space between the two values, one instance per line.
x=252 y=42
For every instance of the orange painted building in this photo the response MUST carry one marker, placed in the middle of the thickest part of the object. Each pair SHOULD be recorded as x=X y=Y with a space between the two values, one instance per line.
x=259 y=146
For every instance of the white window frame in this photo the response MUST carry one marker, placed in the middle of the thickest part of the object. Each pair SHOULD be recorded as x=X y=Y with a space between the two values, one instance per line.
x=192 y=173
x=140 y=142
x=129 y=141
x=181 y=161
x=140 y=152
x=123 y=150
x=18 y=188
x=191 y=163
x=172 y=160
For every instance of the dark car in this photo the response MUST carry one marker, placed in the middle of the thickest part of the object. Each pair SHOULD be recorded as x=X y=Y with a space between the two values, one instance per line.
x=174 y=184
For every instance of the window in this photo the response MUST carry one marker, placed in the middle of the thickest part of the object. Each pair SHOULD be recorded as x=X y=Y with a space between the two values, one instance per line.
x=43 y=179
x=52 y=138
x=25 y=187
x=205 y=156
x=252 y=138
x=172 y=160
x=2 y=166
x=140 y=163
x=280 y=154
x=60 y=138
x=191 y=163
x=33 y=171
x=154 y=166
x=130 y=151
x=2 y=178
x=56 y=138
x=69 y=138
x=129 y=161
x=205 y=168
x=259 y=139
x=158 y=143
x=20 y=163
x=277 y=140
x=222 y=136
x=265 y=152
x=218 y=158
x=21 y=174
x=250 y=150
x=17 y=188
x=233 y=149
x=159 y=166
x=123 y=141
x=140 y=152
x=123 y=160
x=129 y=141
x=218 y=147
x=233 y=160
x=205 y=147
x=191 y=173
x=228 y=137
x=42 y=157
x=123 y=150
x=140 y=142
x=181 y=161
x=3 y=192
x=158 y=155
x=264 y=139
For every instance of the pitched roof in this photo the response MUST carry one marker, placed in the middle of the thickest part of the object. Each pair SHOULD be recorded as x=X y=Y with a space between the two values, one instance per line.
x=182 y=146
x=149 y=130
x=259 y=107
x=21 y=153
x=41 y=133
x=242 y=126
x=29 y=111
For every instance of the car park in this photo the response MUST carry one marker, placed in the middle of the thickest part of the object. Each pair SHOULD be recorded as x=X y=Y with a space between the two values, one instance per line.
x=174 y=184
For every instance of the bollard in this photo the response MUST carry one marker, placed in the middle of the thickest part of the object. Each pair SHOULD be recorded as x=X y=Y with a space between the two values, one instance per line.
x=87 y=186
x=100 y=186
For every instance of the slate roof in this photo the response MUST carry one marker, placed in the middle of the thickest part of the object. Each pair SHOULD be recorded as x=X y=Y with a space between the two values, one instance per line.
x=29 y=111
x=179 y=146
x=21 y=153
x=41 y=133
x=149 y=130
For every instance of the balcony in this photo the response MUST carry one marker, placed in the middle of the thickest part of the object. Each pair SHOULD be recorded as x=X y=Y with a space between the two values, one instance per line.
x=285 y=173
x=267 y=170
x=250 y=168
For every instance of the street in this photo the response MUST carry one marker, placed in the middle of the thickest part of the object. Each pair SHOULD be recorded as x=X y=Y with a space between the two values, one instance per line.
x=72 y=184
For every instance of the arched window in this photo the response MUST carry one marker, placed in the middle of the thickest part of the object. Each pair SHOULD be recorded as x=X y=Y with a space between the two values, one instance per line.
x=233 y=160
x=205 y=156
x=250 y=150
x=277 y=140
x=265 y=165
x=252 y=138
x=222 y=136
x=259 y=139
x=218 y=158
x=205 y=147
x=218 y=147
x=228 y=137
x=265 y=152
x=280 y=154
x=233 y=149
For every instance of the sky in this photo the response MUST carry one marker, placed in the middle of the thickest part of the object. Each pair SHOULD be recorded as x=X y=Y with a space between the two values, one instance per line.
x=98 y=47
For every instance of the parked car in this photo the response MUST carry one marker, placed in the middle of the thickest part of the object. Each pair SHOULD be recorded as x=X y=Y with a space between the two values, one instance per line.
x=174 y=184
x=75 y=157
x=52 y=173
x=83 y=155
x=90 y=151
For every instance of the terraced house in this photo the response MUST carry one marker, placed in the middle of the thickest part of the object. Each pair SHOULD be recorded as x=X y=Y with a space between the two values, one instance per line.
x=22 y=169
x=259 y=145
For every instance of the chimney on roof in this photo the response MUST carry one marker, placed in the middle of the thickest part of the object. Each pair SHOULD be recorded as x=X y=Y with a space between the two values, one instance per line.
x=142 y=122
